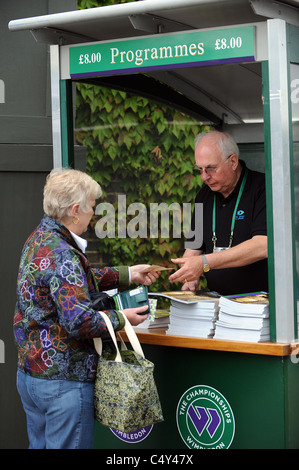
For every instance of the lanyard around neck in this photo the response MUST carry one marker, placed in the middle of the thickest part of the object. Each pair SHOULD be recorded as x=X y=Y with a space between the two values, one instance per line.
x=214 y=238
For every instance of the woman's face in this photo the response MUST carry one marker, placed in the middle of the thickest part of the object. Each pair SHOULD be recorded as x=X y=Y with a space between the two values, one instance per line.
x=84 y=218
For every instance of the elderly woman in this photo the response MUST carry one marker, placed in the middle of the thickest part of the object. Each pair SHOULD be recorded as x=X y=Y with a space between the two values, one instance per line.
x=54 y=321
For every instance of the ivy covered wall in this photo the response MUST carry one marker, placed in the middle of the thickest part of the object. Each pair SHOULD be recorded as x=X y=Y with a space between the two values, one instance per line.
x=144 y=151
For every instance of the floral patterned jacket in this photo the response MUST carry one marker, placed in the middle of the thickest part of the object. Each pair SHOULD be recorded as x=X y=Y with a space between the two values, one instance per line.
x=54 y=323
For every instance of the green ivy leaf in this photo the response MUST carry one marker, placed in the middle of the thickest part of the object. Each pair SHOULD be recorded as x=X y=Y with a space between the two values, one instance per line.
x=141 y=149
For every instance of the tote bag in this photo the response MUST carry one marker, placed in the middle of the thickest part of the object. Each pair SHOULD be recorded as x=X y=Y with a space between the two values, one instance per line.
x=126 y=397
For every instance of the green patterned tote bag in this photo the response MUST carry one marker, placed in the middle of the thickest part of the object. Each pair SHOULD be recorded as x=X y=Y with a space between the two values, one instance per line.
x=126 y=396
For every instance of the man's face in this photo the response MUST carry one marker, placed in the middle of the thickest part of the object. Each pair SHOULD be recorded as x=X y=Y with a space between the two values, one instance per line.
x=217 y=173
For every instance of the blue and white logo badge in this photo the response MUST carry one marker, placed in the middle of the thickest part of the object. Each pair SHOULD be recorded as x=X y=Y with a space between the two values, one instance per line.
x=240 y=215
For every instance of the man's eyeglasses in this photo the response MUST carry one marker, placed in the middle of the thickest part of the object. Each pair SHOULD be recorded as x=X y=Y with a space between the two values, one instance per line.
x=210 y=170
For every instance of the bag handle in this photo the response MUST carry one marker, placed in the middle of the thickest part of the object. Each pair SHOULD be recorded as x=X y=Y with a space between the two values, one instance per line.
x=129 y=332
x=132 y=337
x=98 y=341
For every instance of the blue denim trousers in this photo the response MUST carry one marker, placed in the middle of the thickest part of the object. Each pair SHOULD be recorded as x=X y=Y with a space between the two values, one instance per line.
x=59 y=413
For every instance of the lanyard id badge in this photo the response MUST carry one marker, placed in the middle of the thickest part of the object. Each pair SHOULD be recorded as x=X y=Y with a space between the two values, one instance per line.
x=232 y=228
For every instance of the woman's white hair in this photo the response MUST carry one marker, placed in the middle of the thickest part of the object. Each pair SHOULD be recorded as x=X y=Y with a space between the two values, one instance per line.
x=225 y=142
x=66 y=187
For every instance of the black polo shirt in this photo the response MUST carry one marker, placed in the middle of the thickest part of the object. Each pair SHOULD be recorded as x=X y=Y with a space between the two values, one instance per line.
x=250 y=221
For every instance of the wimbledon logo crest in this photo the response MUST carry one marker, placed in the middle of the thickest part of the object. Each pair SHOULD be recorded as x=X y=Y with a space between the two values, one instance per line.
x=205 y=419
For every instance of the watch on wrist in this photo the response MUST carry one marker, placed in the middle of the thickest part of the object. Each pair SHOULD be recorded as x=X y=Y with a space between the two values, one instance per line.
x=206 y=266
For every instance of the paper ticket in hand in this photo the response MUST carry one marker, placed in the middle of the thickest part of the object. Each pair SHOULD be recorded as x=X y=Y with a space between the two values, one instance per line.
x=155 y=268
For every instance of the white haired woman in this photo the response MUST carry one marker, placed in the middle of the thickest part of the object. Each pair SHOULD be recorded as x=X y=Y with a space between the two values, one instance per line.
x=54 y=322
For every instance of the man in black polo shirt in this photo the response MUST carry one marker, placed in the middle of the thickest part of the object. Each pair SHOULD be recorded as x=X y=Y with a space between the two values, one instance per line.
x=233 y=255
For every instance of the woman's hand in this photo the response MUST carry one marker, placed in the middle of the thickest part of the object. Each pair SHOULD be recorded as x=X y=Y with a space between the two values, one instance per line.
x=144 y=278
x=134 y=315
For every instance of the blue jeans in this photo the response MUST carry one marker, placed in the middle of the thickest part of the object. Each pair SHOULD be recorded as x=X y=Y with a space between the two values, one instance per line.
x=60 y=413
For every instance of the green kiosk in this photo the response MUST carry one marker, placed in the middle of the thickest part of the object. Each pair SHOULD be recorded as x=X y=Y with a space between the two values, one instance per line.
x=234 y=64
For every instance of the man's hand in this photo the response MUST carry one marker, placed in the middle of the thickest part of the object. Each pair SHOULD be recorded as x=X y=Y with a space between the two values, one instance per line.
x=191 y=270
x=192 y=285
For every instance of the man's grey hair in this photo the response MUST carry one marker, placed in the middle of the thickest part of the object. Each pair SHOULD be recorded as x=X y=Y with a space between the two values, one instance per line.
x=225 y=142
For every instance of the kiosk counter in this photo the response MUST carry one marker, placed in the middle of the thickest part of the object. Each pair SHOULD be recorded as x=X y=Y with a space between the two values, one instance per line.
x=217 y=394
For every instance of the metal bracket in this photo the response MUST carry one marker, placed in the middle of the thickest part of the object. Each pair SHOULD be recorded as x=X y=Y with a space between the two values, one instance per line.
x=56 y=36
x=270 y=9
x=146 y=23
x=155 y=24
